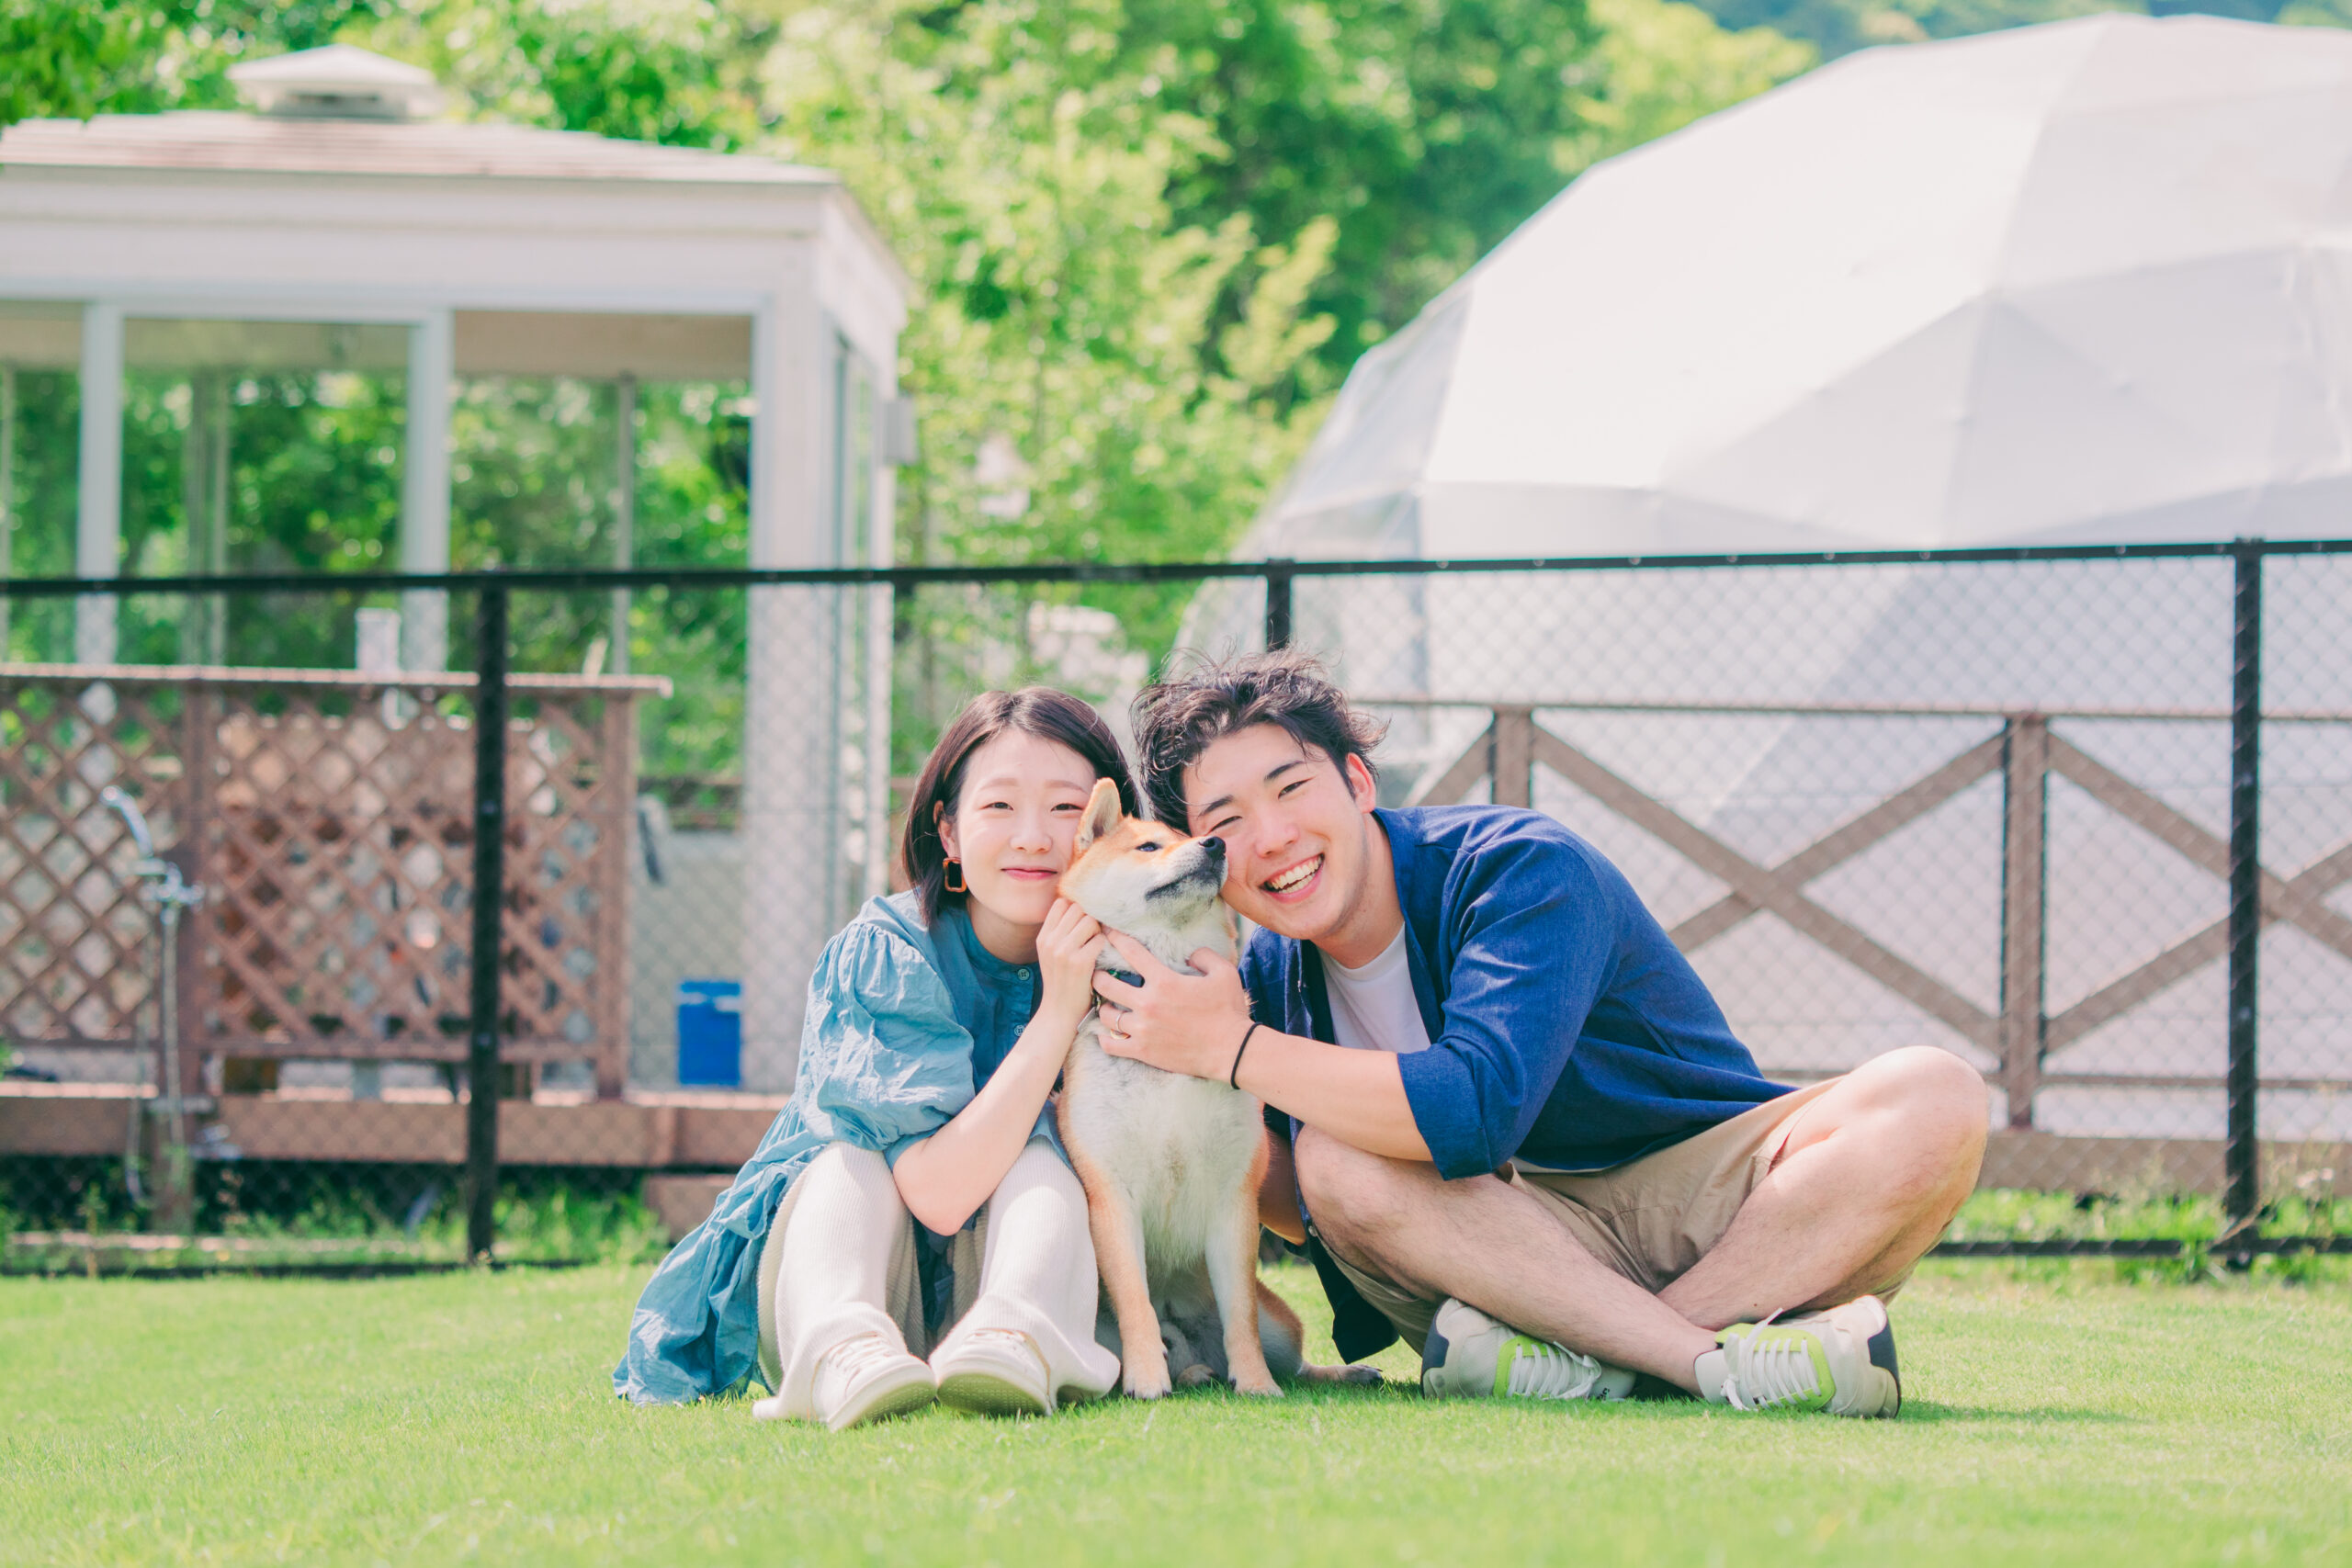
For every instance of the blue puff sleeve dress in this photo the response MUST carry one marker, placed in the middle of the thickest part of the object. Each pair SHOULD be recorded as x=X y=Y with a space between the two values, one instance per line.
x=905 y=1023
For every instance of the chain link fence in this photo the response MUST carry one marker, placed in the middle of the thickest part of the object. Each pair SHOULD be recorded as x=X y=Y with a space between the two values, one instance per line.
x=2083 y=818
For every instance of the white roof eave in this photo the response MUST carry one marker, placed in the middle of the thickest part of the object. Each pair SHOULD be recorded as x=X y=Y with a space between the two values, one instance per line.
x=421 y=163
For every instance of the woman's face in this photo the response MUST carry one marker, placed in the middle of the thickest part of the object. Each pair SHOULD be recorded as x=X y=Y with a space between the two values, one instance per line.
x=1022 y=799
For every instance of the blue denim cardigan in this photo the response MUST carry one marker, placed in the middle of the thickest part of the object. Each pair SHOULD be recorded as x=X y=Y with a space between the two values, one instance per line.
x=905 y=1023
x=1568 y=1031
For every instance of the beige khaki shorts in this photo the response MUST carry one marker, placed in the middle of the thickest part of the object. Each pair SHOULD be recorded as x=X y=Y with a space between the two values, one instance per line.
x=1649 y=1220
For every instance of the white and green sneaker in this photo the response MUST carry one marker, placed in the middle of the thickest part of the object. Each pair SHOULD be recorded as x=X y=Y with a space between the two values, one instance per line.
x=1840 y=1361
x=1470 y=1355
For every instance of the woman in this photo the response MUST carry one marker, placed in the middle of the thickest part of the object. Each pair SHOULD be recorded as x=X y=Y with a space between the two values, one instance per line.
x=913 y=1199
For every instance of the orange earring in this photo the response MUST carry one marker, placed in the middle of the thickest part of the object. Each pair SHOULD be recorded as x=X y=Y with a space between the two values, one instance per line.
x=951 y=885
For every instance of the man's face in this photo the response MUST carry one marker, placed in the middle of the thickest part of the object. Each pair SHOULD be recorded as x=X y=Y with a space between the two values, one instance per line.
x=1296 y=828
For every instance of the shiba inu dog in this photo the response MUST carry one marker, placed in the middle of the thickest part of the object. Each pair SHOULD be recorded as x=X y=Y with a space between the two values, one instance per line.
x=1170 y=1164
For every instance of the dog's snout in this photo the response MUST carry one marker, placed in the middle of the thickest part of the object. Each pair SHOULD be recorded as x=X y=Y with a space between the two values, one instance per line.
x=1212 y=848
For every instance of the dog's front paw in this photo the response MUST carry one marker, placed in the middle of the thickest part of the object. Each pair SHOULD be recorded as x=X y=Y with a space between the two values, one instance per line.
x=1259 y=1387
x=1145 y=1380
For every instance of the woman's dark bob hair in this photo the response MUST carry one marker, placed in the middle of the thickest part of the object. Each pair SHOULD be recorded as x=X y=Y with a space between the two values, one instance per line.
x=1040 y=711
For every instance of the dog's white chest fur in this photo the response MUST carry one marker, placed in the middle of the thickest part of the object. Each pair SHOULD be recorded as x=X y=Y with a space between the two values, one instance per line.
x=1177 y=1145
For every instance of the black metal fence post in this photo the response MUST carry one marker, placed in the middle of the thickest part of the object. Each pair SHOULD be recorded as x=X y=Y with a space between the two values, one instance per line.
x=1278 y=590
x=2242 y=1157
x=489 y=883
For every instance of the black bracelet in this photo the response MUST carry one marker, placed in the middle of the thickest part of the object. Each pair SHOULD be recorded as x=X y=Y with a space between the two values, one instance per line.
x=1233 y=1078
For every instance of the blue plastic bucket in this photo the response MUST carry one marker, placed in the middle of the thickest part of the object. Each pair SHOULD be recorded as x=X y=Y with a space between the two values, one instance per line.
x=710 y=1033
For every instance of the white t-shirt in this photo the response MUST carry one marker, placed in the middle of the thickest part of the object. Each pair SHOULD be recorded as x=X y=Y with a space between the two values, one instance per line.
x=1373 y=1008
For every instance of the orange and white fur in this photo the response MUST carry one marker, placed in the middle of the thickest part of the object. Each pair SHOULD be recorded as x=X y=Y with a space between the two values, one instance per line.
x=1170 y=1164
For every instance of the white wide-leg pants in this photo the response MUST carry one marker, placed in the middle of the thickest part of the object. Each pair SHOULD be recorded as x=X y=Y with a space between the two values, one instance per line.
x=840 y=1260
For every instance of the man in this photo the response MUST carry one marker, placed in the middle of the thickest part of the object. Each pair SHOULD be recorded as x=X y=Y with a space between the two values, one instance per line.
x=1525 y=1137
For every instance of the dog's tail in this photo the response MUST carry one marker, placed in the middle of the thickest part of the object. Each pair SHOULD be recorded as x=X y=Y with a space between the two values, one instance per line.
x=1284 y=1339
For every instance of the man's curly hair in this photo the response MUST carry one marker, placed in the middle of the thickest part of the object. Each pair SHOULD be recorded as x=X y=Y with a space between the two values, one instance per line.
x=1181 y=716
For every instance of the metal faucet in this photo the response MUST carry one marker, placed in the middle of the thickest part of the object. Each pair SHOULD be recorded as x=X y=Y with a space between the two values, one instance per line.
x=170 y=895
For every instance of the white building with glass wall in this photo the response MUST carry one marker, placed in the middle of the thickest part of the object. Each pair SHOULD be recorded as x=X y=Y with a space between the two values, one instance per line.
x=335 y=225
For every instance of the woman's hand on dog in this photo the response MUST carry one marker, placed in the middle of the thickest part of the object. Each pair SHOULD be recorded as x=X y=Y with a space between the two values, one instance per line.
x=1179 y=1023
x=1066 y=947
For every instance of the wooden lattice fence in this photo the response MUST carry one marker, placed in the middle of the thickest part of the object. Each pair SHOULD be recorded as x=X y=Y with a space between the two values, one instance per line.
x=329 y=818
x=2020 y=1041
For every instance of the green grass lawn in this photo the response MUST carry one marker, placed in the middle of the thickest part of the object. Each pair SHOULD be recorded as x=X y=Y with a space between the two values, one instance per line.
x=2050 y=1417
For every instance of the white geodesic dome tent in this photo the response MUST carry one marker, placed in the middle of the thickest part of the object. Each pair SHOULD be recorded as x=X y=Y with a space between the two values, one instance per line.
x=2080 y=282
x=2083 y=283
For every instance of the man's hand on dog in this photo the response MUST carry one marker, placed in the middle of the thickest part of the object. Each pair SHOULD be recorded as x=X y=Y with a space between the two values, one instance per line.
x=1179 y=1023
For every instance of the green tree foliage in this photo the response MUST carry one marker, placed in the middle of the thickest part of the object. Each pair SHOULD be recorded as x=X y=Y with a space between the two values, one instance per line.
x=1424 y=131
x=70 y=59
x=313 y=486
x=1660 y=64
x=682 y=72
x=48 y=429
x=1083 y=396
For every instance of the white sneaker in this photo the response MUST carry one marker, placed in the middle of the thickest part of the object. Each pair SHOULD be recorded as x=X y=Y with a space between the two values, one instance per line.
x=1470 y=1355
x=995 y=1372
x=1840 y=1361
x=867 y=1377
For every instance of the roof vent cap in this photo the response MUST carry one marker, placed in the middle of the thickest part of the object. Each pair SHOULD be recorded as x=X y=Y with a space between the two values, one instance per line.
x=339 y=81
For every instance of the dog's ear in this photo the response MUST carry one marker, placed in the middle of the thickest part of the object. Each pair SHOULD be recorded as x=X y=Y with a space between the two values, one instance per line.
x=1103 y=814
